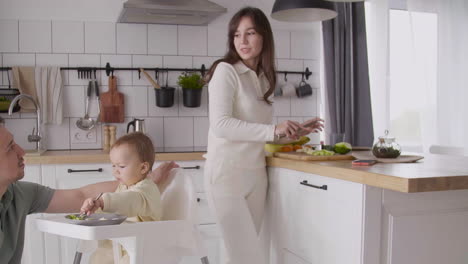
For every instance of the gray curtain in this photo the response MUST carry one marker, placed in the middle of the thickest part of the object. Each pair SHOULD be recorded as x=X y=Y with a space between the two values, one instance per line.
x=347 y=75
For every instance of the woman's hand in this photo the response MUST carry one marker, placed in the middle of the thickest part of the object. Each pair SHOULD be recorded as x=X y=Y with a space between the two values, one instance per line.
x=289 y=129
x=313 y=125
x=90 y=206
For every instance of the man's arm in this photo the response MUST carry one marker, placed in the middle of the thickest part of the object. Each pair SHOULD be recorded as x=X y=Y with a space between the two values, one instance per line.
x=70 y=201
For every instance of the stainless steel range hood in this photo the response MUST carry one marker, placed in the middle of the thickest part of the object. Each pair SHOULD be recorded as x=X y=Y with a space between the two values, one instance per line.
x=174 y=12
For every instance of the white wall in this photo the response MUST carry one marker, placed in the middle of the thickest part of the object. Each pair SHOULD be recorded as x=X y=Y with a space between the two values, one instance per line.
x=28 y=39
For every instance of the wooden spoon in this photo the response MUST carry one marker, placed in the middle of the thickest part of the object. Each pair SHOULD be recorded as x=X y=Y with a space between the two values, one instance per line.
x=148 y=77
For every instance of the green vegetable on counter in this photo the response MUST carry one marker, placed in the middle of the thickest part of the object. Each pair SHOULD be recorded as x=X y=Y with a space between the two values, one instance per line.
x=342 y=147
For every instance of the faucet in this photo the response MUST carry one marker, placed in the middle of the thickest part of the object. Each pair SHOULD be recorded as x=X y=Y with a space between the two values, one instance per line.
x=35 y=136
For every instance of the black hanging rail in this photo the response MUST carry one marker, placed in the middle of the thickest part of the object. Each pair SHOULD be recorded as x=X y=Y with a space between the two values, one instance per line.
x=82 y=71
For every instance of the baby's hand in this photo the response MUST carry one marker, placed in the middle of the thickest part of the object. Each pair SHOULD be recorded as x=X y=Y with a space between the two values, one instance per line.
x=90 y=206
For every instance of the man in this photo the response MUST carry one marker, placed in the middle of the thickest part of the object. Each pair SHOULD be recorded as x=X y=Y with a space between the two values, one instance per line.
x=20 y=198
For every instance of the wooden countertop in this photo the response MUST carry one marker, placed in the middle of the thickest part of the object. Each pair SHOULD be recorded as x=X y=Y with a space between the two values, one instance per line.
x=433 y=173
x=99 y=156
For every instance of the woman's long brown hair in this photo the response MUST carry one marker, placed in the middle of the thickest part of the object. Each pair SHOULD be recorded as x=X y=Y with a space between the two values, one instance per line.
x=267 y=55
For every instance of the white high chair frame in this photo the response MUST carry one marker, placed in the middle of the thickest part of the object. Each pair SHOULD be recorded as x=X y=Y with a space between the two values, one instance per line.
x=159 y=242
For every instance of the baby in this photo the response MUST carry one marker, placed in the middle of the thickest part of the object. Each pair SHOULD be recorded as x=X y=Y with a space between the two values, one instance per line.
x=132 y=157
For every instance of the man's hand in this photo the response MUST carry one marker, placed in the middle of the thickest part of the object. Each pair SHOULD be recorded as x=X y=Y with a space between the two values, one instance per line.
x=160 y=175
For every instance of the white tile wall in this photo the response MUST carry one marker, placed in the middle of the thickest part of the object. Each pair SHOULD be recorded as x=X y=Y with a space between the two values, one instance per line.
x=305 y=45
x=217 y=41
x=35 y=36
x=131 y=39
x=192 y=40
x=43 y=59
x=67 y=37
x=200 y=131
x=178 y=132
x=177 y=128
x=162 y=39
x=57 y=136
x=282 y=44
x=100 y=37
x=8 y=36
x=135 y=100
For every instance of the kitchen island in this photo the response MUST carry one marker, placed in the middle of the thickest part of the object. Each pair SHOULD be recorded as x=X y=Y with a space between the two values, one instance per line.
x=329 y=211
x=403 y=213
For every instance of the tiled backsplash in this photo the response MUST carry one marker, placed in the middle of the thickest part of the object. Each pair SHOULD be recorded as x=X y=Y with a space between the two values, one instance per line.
x=60 y=43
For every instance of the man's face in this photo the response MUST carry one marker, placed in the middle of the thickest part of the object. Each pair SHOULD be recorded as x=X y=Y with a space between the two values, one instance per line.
x=11 y=158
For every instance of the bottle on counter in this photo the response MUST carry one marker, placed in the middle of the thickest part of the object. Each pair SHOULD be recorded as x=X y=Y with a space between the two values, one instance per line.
x=112 y=135
x=106 y=136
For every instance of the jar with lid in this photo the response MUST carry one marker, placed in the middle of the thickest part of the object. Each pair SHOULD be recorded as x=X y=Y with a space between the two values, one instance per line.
x=386 y=147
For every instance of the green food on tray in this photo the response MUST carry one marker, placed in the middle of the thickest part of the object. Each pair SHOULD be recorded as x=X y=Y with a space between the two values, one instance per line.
x=76 y=217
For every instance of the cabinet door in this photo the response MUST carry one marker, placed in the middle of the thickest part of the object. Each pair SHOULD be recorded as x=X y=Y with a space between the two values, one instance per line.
x=319 y=226
x=61 y=249
x=328 y=223
x=33 y=251
x=213 y=244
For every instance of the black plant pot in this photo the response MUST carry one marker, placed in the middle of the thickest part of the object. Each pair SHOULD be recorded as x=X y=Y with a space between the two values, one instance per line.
x=165 y=96
x=192 y=97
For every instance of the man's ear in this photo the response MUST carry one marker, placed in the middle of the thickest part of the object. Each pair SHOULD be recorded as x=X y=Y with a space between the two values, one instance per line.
x=145 y=167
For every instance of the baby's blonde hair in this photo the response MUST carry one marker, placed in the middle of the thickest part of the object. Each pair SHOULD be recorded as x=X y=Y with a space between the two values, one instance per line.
x=142 y=144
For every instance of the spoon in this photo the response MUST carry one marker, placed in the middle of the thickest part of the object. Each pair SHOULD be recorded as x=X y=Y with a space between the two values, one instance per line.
x=86 y=123
x=83 y=215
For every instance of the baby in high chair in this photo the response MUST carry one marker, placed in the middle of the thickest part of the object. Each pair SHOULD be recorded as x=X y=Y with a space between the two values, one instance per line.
x=132 y=157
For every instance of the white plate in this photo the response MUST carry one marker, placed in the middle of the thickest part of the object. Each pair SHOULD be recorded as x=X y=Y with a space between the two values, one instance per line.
x=98 y=219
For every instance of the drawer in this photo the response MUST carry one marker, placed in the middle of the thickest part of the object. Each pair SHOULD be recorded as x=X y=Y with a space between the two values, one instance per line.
x=204 y=213
x=78 y=175
x=195 y=170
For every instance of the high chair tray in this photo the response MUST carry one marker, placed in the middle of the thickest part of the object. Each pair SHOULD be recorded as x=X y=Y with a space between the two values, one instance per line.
x=59 y=225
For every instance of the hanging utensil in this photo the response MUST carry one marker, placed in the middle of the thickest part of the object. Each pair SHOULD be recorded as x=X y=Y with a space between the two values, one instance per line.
x=148 y=77
x=86 y=123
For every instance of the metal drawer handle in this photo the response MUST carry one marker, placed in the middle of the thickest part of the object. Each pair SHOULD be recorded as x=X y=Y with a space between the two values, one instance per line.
x=71 y=171
x=323 y=187
x=191 y=168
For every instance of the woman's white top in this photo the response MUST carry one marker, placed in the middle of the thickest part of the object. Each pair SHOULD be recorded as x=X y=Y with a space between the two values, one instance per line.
x=240 y=120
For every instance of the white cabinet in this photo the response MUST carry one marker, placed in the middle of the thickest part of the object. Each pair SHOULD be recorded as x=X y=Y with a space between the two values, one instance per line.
x=319 y=225
x=33 y=251
x=70 y=176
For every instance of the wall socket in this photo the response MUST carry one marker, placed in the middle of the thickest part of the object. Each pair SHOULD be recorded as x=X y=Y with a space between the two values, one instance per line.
x=80 y=136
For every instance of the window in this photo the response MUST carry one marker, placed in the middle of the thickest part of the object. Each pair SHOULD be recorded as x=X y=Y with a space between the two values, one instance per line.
x=413 y=76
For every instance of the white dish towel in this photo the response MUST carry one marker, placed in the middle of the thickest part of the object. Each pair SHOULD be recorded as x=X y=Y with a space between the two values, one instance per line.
x=45 y=85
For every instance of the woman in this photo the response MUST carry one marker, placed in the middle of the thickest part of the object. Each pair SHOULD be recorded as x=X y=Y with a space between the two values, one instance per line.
x=241 y=113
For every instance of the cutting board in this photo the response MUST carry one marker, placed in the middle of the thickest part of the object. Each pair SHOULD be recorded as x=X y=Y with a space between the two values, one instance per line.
x=112 y=104
x=306 y=157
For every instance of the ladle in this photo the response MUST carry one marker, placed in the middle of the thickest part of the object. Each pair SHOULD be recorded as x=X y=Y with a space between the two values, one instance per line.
x=86 y=123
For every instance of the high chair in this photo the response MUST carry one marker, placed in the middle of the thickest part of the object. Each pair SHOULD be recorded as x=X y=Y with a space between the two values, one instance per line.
x=160 y=242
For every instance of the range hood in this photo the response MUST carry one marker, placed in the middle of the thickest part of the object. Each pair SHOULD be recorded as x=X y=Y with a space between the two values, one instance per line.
x=173 y=12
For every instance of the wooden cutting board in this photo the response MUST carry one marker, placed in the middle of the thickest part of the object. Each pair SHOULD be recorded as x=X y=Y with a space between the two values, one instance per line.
x=367 y=155
x=112 y=104
x=307 y=157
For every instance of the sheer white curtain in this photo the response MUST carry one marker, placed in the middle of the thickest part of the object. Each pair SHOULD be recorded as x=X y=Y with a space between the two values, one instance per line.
x=428 y=64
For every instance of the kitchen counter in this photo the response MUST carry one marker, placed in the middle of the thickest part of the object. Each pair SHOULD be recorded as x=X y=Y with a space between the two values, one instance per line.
x=98 y=156
x=433 y=173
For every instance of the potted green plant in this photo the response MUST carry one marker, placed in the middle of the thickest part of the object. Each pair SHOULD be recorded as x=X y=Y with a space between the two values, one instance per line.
x=191 y=84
